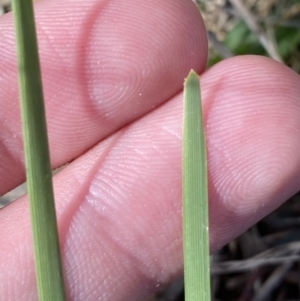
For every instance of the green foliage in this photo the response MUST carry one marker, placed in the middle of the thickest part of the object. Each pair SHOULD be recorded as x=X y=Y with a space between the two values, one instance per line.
x=281 y=23
x=288 y=40
x=242 y=41
x=195 y=196
x=38 y=170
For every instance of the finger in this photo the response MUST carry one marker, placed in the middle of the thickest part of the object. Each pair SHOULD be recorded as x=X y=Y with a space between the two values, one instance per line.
x=120 y=204
x=104 y=64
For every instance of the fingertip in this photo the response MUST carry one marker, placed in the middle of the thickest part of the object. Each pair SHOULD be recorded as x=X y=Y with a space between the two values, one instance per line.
x=104 y=65
x=252 y=122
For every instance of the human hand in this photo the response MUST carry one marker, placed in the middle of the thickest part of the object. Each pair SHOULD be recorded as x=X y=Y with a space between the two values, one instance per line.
x=112 y=74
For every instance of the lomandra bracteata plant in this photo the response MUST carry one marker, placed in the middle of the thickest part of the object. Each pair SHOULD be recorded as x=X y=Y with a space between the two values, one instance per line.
x=39 y=175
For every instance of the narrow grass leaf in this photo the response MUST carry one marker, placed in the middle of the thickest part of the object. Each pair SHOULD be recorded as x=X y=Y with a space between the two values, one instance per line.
x=195 y=196
x=38 y=171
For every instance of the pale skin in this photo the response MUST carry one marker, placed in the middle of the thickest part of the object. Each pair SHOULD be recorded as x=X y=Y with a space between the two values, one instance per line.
x=105 y=65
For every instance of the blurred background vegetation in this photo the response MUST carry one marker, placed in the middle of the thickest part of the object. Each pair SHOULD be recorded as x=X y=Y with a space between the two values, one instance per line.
x=263 y=264
x=262 y=27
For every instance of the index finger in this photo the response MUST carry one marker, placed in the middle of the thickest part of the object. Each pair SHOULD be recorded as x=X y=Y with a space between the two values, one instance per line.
x=104 y=64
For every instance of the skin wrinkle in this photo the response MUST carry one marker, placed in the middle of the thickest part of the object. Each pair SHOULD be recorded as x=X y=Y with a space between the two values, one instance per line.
x=75 y=206
x=137 y=277
x=125 y=263
x=106 y=258
x=112 y=245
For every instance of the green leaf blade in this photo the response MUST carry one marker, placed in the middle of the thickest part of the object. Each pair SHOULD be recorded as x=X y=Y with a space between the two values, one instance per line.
x=195 y=196
x=38 y=169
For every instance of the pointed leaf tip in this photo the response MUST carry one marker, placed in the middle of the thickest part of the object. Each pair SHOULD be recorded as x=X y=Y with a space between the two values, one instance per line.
x=191 y=76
